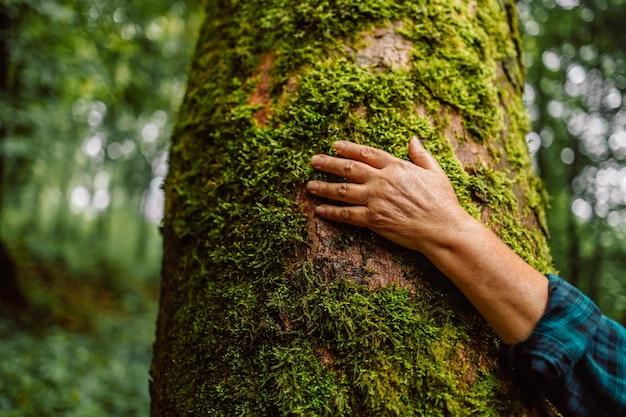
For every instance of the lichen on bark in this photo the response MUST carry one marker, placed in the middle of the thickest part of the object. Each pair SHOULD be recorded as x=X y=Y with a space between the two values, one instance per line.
x=269 y=310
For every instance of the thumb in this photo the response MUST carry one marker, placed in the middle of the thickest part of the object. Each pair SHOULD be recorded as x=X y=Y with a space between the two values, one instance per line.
x=420 y=156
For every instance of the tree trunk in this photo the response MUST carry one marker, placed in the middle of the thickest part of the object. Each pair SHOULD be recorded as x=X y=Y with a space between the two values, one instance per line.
x=267 y=309
x=10 y=291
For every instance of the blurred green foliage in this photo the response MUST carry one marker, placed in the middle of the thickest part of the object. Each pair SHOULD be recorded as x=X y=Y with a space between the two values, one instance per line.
x=88 y=97
x=61 y=373
x=93 y=91
x=87 y=101
x=576 y=75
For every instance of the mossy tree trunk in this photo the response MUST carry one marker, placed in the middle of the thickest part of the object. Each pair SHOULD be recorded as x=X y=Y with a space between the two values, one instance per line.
x=268 y=310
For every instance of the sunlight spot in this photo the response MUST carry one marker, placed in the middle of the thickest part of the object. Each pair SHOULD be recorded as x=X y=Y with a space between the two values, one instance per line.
x=576 y=124
x=92 y=146
x=608 y=65
x=79 y=198
x=614 y=219
x=529 y=94
x=615 y=196
x=128 y=31
x=568 y=4
x=153 y=201
x=532 y=28
x=551 y=60
x=622 y=184
x=154 y=31
x=101 y=200
x=602 y=196
x=93 y=13
x=556 y=109
x=586 y=14
x=128 y=147
x=114 y=150
x=576 y=74
x=617 y=143
x=605 y=178
x=547 y=137
x=119 y=15
x=588 y=52
x=568 y=156
x=533 y=140
x=95 y=118
x=613 y=99
x=597 y=125
x=150 y=132
x=574 y=90
x=582 y=210
x=159 y=165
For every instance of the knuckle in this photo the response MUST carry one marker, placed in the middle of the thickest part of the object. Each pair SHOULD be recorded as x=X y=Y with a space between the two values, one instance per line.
x=342 y=190
x=365 y=152
x=349 y=168
x=344 y=213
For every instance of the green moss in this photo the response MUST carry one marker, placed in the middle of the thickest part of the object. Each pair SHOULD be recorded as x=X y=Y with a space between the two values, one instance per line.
x=253 y=327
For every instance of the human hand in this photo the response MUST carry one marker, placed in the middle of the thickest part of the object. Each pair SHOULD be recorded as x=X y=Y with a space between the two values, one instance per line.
x=411 y=204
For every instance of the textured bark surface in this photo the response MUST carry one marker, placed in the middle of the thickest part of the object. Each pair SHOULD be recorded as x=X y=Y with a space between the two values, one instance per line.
x=267 y=309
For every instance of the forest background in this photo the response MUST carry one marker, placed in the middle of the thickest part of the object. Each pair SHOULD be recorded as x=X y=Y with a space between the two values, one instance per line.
x=88 y=97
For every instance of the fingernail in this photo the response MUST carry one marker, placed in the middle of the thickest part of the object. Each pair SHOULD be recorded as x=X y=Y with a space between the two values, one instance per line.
x=317 y=161
x=320 y=210
x=313 y=186
x=339 y=145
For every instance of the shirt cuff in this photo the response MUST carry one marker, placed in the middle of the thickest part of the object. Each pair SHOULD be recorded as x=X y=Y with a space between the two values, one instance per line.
x=561 y=336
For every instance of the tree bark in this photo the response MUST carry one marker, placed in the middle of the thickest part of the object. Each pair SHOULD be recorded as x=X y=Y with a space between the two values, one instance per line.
x=267 y=309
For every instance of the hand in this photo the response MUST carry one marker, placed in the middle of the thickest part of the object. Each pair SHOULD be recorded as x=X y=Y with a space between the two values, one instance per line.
x=411 y=204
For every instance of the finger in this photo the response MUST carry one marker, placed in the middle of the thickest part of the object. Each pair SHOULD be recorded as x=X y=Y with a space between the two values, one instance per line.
x=346 y=192
x=353 y=170
x=420 y=156
x=354 y=215
x=371 y=156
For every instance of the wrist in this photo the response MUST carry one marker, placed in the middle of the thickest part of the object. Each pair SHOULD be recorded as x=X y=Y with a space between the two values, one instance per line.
x=453 y=234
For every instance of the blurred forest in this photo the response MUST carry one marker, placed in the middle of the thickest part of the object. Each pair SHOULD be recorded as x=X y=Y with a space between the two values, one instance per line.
x=88 y=98
x=88 y=95
x=575 y=95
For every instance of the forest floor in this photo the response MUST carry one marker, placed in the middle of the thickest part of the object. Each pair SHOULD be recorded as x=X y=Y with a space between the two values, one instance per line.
x=81 y=347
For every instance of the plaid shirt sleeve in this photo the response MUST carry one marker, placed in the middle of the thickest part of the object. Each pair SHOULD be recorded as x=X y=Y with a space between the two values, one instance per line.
x=576 y=356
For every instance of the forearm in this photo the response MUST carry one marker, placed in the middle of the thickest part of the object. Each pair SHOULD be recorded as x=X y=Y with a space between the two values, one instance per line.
x=507 y=292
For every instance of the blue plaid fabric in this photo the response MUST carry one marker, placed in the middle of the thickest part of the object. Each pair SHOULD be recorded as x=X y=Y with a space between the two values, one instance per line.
x=576 y=356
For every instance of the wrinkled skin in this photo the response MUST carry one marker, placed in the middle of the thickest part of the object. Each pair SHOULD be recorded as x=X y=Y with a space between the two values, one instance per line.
x=411 y=204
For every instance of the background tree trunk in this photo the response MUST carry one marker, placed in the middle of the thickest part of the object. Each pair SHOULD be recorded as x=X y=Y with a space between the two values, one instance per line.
x=10 y=291
x=268 y=310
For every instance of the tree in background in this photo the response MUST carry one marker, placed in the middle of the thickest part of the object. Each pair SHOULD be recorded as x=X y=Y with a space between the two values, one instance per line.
x=11 y=292
x=92 y=90
x=86 y=128
x=269 y=310
x=576 y=86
